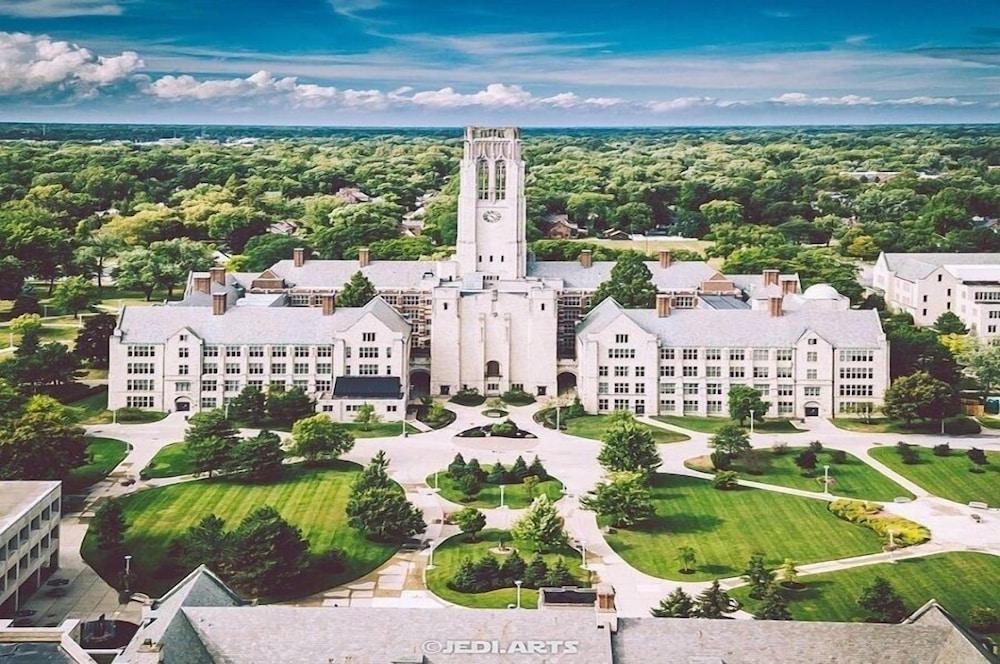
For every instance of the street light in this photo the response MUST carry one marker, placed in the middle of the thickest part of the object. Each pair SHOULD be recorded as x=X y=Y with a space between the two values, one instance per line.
x=751 y=422
x=518 y=584
x=583 y=555
x=430 y=562
x=826 y=479
x=501 y=496
x=128 y=565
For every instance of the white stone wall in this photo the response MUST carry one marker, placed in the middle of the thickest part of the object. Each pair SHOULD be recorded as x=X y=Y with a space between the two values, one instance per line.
x=599 y=358
x=27 y=544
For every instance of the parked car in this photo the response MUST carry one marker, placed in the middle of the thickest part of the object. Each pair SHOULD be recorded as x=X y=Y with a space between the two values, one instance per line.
x=57 y=582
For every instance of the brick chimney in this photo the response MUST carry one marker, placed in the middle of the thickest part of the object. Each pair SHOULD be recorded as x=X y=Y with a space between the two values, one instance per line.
x=586 y=258
x=787 y=286
x=604 y=607
x=665 y=258
x=662 y=305
x=299 y=256
x=218 y=275
x=329 y=302
x=364 y=257
x=203 y=283
x=218 y=304
x=774 y=306
x=771 y=277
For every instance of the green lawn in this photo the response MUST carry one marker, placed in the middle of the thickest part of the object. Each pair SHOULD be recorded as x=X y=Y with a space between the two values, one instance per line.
x=713 y=424
x=94 y=410
x=515 y=496
x=725 y=527
x=852 y=479
x=380 y=430
x=313 y=499
x=958 y=581
x=947 y=477
x=103 y=454
x=989 y=421
x=884 y=425
x=450 y=553
x=172 y=460
x=594 y=426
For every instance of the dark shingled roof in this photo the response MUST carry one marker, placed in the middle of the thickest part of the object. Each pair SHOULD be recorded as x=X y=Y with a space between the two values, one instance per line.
x=374 y=387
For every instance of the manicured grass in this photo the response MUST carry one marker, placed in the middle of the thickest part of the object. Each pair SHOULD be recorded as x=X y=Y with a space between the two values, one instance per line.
x=713 y=424
x=947 y=477
x=958 y=581
x=103 y=454
x=989 y=421
x=450 y=554
x=93 y=409
x=852 y=479
x=172 y=460
x=380 y=430
x=594 y=426
x=313 y=499
x=515 y=496
x=725 y=527
x=884 y=425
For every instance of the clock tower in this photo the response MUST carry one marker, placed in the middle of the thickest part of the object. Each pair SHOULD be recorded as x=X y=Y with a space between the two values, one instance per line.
x=491 y=209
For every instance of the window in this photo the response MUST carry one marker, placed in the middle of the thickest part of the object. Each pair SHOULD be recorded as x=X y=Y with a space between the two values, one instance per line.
x=853 y=355
x=666 y=371
x=713 y=388
x=141 y=351
x=783 y=372
x=602 y=371
x=233 y=351
x=208 y=402
x=232 y=368
x=691 y=388
x=210 y=351
x=785 y=407
x=666 y=353
x=640 y=372
x=183 y=352
x=445 y=390
x=483 y=179
x=763 y=388
x=300 y=368
x=811 y=391
x=737 y=372
x=183 y=386
x=689 y=372
x=713 y=353
x=324 y=368
x=255 y=351
x=621 y=371
x=850 y=390
x=640 y=388
x=210 y=368
x=184 y=337
x=690 y=404
x=761 y=354
x=255 y=368
x=621 y=388
x=689 y=354
x=713 y=372
x=811 y=374
x=602 y=404
x=602 y=388
x=785 y=390
x=621 y=404
x=812 y=356
x=368 y=336
x=784 y=355
x=737 y=354
x=857 y=373
x=668 y=388
x=277 y=367
x=621 y=338
x=139 y=385
x=760 y=372
x=368 y=352
x=621 y=353
x=231 y=386
x=301 y=351
x=209 y=386
x=367 y=369
x=139 y=402
x=323 y=385
x=182 y=369
x=811 y=341
x=668 y=404
x=324 y=351
x=713 y=406
x=140 y=368
x=279 y=351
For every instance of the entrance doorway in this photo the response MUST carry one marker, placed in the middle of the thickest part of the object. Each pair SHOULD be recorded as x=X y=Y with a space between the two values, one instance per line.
x=812 y=410
x=420 y=384
x=566 y=382
x=182 y=405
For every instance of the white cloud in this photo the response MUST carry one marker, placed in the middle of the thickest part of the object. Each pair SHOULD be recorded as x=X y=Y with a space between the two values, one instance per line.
x=59 y=8
x=352 y=8
x=31 y=63
x=681 y=104
x=930 y=101
x=802 y=99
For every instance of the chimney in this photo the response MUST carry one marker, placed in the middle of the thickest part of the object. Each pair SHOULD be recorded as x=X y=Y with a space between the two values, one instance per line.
x=771 y=277
x=607 y=614
x=218 y=275
x=218 y=304
x=665 y=258
x=329 y=301
x=299 y=256
x=203 y=283
x=364 y=258
x=787 y=286
x=774 y=306
x=662 y=305
x=586 y=258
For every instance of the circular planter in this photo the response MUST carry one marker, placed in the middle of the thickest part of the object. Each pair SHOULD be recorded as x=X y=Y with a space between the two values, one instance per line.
x=495 y=412
x=793 y=586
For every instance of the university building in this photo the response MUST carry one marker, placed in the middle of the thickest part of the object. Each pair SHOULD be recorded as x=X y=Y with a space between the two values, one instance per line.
x=492 y=318
x=29 y=539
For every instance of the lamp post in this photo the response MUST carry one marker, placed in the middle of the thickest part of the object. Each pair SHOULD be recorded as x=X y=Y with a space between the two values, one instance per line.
x=114 y=416
x=826 y=479
x=403 y=432
x=518 y=584
x=128 y=565
x=751 y=422
x=501 y=496
x=583 y=555
x=430 y=561
x=436 y=487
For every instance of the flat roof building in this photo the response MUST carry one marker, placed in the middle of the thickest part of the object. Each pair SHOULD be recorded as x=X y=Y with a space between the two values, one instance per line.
x=29 y=539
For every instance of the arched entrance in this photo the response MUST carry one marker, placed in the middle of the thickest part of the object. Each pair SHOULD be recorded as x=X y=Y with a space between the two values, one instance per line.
x=420 y=384
x=566 y=382
x=492 y=369
x=182 y=404
x=811 y=409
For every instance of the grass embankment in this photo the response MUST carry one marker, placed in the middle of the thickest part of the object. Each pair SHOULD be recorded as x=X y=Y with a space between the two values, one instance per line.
x=713 y=424
x=103 y=454
x=594 y=426
x=948 y=477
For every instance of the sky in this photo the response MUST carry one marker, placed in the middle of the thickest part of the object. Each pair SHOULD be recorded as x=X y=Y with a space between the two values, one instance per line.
x=533 y=63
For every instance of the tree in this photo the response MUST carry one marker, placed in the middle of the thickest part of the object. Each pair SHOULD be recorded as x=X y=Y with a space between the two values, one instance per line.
x=559 y=575
x=630 y=283
x=678 y=604
x=713 y=602
x=789 y=572
x=730 y=439
x=914 y=349
x=207 y=543
x=773 y=605
x=744 y=400
x=541 y=526
x=629 y=447
x=384 y=515
x=882 y=602
x=263 y=251
x=260 y=457
x=39 y=442
x=320 y=438
x=367 y=416
x=36 y=365
x=919 y=396
x=109 y=526
x=26 y=324
x=375 y=475
x=355 y=225
x=73 y=294
x=984 y=619
x=210 y=441
x=757 y=575
x=512 y=569
x=977 y=456
x=983 y=361
x=726 y=480
x=92 y=256
x=536 y=469
x=949 y=323
x=498 y=474
x=164 y=264
x=471 y=521
x=722 y=212
x=92 y=341
x=519 y=470
x=624 y=500
x=267 y=553
x=357 y=292
x=806 y=460
x=249 y=406
x=288 y=406
x=536 y=573
x=686 y=559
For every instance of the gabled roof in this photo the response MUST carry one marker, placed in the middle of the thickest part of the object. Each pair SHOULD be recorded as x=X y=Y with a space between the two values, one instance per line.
x=681 y=275
x=913 y=267
x=334 y=274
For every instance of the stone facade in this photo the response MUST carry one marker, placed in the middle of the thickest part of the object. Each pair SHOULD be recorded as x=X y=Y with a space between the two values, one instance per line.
x=29 y=539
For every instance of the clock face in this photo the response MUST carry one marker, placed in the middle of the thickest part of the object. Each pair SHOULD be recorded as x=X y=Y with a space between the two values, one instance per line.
x=492 y=216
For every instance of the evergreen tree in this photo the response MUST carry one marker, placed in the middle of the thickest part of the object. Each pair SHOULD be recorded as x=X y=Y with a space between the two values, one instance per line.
x=758 y=575
x=882 y=602
x=318 y=438
x=538 y=470
x=260 y=457
x=210 y=441
x=730 y=440
x=629 y=447
x=498 y=474
x=536 y=573
x=473 y=469
x=249 y=406
x=519 y=470
x=267 y=553
x=109 y=525
x=949 y=323
x=93 y=338
x=357 y=291
x=713 y=602
x=289 y=406
x=630 y=283
x=206 y=543
x=487 y=573
x=773 y=605
x=678 y=604
x=457 y=467
x=513 y=568
x=384 y=515
x=464 y=579
x=559 y=575
x=541 y=526
x=470 y=521
x=375 y=475
x=742 y=400
x=624 y=499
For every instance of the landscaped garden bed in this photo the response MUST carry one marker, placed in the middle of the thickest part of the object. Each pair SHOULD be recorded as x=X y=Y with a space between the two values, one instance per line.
x=469 y=397
x=894 y=531
x=949 y=476
x=725 y=527
x=435 y=415
x=472 y=485
x=505 y=429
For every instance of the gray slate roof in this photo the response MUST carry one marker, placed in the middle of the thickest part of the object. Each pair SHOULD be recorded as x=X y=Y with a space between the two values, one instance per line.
x=681 y=275
x=334 y=274
x=913 y=267
x=251 y=325
x=852 y=328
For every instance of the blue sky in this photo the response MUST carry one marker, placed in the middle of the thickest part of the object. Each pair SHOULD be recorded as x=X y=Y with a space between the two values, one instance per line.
x=396 y=62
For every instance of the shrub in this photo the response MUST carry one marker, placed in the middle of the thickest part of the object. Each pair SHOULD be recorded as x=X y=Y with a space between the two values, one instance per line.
x=869 y=515
x=908 y=454
x=131 y=414
x=755 y=462
x=942 y=450
x=468 y=397
x=806 y=460
x=984 y=619
x=838 y=456
x=779 y=449
x=961 y=425
x=816 y=446
x=488 y=574
x=517 y=398
x=506 y=429
x=725 y=480
x=720 y=460
x=977 y=456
